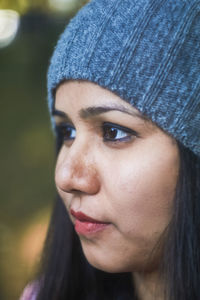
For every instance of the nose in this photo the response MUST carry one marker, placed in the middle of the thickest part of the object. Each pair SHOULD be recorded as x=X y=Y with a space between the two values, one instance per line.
x=76 y=170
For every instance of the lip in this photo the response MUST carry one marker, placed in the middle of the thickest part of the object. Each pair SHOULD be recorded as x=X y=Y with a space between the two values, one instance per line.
x=85 y=225
x=83 y=217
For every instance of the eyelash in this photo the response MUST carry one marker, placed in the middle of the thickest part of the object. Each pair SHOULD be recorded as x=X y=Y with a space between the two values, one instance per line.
x=67 y=132
x=63 y=131
x=125 y=134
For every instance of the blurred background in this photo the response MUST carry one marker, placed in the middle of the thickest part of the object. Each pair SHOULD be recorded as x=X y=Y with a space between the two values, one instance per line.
x=29 y=30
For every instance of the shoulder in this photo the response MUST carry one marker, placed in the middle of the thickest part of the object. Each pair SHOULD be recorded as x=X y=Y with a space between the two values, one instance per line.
x=31 y=291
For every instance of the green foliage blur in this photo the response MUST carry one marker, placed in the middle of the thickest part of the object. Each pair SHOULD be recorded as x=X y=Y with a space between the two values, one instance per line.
x=27 y=143
x=23 y=6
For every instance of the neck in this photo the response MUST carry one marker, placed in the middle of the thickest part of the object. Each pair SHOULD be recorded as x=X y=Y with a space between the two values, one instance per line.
x=149 y=286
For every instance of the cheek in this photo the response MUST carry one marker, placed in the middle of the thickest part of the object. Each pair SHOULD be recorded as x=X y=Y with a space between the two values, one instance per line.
x=144 y=193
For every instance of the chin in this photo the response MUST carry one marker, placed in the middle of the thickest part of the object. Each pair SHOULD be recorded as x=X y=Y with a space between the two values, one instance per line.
x=101 y=261
x=112 y=264
x=106 y=263
x=106 y=267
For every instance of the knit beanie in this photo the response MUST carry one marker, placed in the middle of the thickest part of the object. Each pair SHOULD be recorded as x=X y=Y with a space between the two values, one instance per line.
x=145 y=51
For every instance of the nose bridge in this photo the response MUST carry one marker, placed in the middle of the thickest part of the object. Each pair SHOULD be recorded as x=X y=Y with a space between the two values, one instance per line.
x=79 y=154
x=78 y=159
x=77 y=170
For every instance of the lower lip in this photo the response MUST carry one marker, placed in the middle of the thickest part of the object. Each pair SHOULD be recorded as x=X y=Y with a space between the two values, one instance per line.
x=86 y=228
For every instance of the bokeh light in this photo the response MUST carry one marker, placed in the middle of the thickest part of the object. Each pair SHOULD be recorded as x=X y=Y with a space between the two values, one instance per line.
x=63 y=5
x=9 y=24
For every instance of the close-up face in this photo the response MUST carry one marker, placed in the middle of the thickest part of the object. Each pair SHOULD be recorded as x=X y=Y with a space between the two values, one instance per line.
x=116 y=173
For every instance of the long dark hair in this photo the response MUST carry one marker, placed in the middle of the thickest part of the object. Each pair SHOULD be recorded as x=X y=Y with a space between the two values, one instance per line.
x=182 y=251
x=66 y=275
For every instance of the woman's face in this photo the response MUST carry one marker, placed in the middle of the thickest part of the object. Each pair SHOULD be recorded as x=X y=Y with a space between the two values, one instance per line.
x=116 y=174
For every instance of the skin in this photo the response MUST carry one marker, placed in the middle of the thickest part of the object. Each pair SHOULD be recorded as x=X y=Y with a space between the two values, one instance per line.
x=128 y=181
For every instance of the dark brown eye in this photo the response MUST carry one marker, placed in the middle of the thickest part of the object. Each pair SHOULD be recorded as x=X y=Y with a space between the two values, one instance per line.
x=114 y=132
x=110 y=133
x=66 y=132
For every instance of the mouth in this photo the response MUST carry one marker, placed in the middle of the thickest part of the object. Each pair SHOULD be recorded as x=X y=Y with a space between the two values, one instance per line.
x=85 y=225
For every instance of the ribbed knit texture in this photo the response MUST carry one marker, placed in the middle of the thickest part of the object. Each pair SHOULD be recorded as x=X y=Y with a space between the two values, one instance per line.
x=147 y=52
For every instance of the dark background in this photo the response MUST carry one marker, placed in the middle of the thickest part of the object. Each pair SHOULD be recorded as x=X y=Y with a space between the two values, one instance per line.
x=27 y=144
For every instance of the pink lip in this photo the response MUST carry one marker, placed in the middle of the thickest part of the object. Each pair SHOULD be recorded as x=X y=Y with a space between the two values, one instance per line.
x=86 y=225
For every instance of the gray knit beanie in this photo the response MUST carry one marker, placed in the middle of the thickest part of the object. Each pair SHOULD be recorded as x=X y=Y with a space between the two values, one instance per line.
x=145 y=51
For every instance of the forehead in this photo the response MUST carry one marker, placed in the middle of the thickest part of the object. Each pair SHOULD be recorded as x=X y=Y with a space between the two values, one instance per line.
x=84 y=93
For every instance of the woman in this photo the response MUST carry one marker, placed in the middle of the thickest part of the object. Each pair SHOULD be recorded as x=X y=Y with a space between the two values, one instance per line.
x=124 y=98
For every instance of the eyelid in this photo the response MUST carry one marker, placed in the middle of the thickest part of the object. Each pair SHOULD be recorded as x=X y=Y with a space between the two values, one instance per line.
x=122 y=128
x=62 y=122
x=62 y=126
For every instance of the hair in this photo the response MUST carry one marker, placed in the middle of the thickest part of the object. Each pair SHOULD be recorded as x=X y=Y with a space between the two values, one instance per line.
x=182 y=257
x=66 y=274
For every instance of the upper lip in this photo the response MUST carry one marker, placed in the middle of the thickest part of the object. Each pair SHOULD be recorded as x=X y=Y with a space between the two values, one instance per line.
x=83 y=218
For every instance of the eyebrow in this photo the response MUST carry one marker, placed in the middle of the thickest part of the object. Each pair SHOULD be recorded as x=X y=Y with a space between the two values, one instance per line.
x=59 y=113
x=89 y=112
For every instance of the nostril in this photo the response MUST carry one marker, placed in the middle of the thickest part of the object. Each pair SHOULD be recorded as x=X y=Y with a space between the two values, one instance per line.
x=70 y=191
